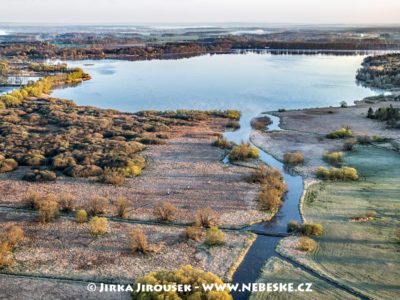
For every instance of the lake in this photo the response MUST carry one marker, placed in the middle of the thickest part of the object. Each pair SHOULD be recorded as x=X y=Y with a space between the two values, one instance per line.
x=252 y=83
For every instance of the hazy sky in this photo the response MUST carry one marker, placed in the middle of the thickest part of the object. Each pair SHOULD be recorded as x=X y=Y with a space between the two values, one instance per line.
x=192 y=11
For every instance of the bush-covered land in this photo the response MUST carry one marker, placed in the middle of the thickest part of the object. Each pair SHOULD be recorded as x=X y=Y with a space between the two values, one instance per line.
x=41 y=87
x=390 y=115
x=55 y=136
x=381 y=71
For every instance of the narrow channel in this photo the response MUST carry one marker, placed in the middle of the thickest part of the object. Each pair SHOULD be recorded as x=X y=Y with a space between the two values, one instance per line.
x=263 y=247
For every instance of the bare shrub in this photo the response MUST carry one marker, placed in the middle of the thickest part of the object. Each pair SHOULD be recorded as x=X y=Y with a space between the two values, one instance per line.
x=206 y=217
x=48 y=208
x=165 y=211
x=137 y=241
x=31 y=199
x=13 y=234
x=349 y=144
x=66 y=202
x=6 y=259
x=97 y=205
x=98 y=226
x=194 y=233
x=121 y=205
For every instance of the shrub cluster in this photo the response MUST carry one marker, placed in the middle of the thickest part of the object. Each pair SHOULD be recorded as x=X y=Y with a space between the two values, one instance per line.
x=390 y=114
x=343 y=173
x=243 y=151
x=380 y=71
x=222 y=142
x=293 y=158
x=40 y=176
x=185 y=275
x=307 y=229
x=333 y=158
x=261 y=123
x=340 y=133
x=272 y=189
x=48 y=208
x=55 y=135
x=7 y=164
x=42 y=86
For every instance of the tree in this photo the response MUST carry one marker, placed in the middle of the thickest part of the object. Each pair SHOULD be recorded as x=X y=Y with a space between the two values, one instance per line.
x=370 y=114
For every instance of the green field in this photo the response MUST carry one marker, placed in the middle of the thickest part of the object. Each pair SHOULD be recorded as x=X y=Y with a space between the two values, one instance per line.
x=361 y=254
x=277 y=270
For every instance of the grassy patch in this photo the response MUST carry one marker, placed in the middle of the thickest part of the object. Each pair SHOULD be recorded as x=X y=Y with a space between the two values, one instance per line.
x=361 y=253
x=279 y=271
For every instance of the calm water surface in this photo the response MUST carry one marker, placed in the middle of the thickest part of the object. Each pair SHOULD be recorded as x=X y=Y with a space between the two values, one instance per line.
x=251 y=82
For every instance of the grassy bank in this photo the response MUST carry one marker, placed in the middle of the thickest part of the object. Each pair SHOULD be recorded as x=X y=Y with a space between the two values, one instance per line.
x=279 y=271
x=359 y=248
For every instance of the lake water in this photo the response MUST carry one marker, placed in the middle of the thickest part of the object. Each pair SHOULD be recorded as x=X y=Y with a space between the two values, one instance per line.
x=251 y=82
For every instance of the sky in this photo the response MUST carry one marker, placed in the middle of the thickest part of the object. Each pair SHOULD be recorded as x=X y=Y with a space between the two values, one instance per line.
x=201 y=11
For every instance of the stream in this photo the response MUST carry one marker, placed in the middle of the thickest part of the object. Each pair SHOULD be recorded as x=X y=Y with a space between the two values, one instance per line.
x=264 y=246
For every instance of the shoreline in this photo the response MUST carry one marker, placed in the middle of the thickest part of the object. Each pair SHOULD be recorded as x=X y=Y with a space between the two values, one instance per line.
x=285 y=246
